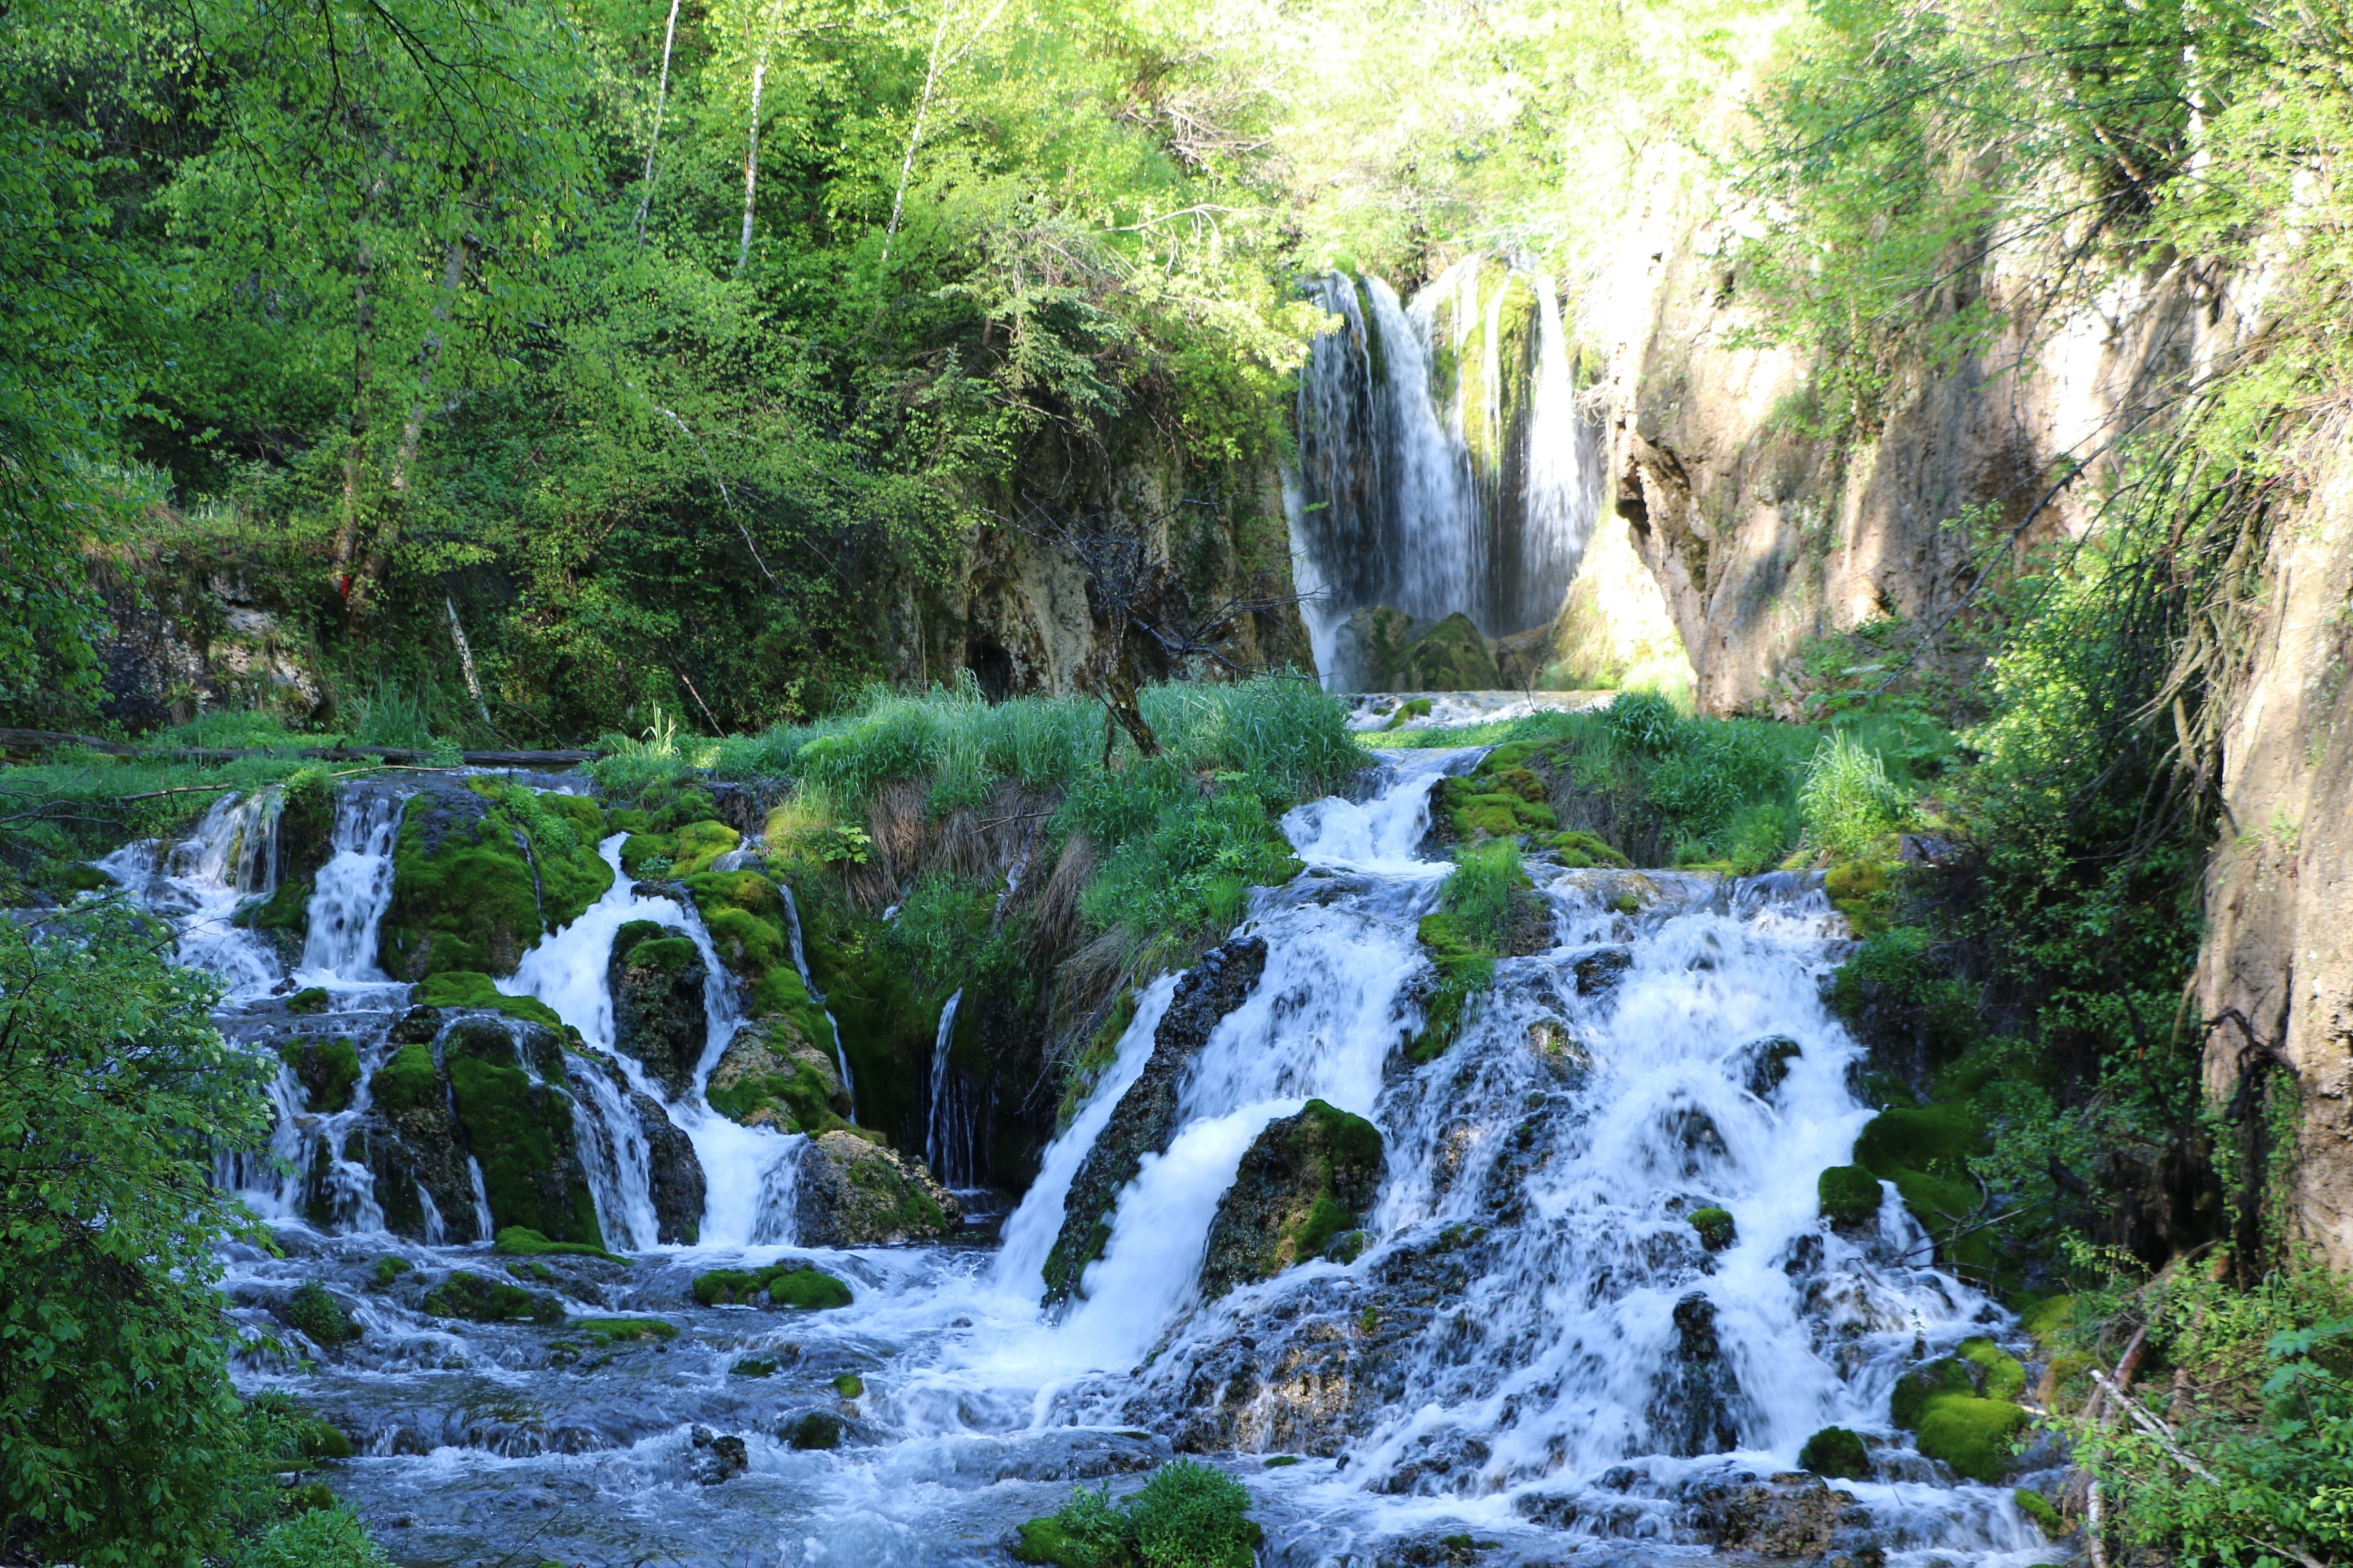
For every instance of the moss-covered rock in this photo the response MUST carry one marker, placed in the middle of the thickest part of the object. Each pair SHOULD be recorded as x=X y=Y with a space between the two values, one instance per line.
x=328 y=1070
x=521 y=1241
x=1450 y=657
x=854 y=1193
x=1945 y=1405
x=769 y=1076
x=622 y=1331
x=1715 y=1227
x=414 y=1147
x=478 y=1299
x=480 y=870
x=1926 y=1151
x=787 y=1284
x=310 y=1000
x=1305 y=1181
x=695 y=845
x=746 y=915
x=456 y=988
x=518 y=1123
x=656 y=978
x=2039 y=1509
x=1580 y=851
x=674 y=1173
x=1850 y=1197
x=315 y=1311
x=1145 y=1118
x=1836 y=1453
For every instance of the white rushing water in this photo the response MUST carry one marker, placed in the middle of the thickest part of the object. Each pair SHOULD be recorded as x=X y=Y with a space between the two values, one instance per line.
x=198 y=885
x=352 y=892
x=746 y=1170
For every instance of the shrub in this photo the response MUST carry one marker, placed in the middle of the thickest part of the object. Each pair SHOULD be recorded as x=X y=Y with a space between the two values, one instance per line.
x=323 y=1538
x=1188 y=1515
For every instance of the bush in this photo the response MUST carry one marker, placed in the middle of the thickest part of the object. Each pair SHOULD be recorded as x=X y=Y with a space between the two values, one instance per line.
x=120 y=1439
x=323 y=1538
x=1188 y=1515
x=1482 y=892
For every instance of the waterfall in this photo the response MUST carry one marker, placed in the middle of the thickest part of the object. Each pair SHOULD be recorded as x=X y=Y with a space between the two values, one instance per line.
x=947 y=1144
x=808 y=984
x=197 y=885
x=747 y=1197
x=1444 y=464
x=352 y=891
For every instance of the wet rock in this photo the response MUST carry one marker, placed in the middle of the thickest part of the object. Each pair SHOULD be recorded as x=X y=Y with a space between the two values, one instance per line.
x=328 y=1070
x=1596 y=972
x=462 y=895
x=853 y=1193
x=1693 y=1410
x=771 y=1075
x=718 y=1457
x=1303 y=1183
x=1789 y=1516
x=478 y=1299
x=509 y=1086
x=1693 y=1131
x=412 y=1143
x=812 y=1429
x=1765 y=1063
x=417 y=1026
x=656 y=978
x=673 y=1173
x=1145 y=1118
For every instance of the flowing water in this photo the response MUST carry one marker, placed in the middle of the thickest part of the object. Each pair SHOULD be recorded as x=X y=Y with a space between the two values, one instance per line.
x=1534 y=1349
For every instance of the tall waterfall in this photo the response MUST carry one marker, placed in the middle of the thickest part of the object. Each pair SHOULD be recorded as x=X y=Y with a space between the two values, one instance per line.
x=1444 y=464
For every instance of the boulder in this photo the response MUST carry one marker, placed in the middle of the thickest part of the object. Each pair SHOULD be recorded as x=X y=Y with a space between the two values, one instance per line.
x=656 y=979
x=411 y=1141
x=853 y=1193
x=673 y=1173
x=509 y=1086
x=1693 y=1411
x=771 y=1075
x=1145 y=1117
x=1304 y=1182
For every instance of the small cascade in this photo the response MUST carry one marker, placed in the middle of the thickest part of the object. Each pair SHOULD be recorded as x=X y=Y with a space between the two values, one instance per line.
x=483 y=1224
x=198 y=885
x=353 y=890
x=1444 y=462
x=808 y=984
x=947 y=1144
x=747 y=1197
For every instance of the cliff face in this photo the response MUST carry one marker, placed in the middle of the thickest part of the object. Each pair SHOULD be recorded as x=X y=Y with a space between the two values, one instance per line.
x=1018 y=612
x=2276 y=977
x=1763 y=537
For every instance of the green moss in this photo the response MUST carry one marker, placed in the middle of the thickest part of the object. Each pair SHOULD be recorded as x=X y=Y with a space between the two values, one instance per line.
x=849 y=1385
x=1715 y=1226
x=1924 y=1384
x=511 y=1127
x=389 y=1268
x=1450 y=657
x=309 y=1000
x=1849 y=1194
x=755 y=1366
x=478 y=1299
x=407 y=1081
x=698 y=844
x=647 y=854
x=286 y=910
x=313 y=1311
x=1836 y=1454
x=2048 y=1317
x=1582 y=852
x=522 y=1241
x=1970 y=1435
x=2004 y=1375
x=2038 y=1508
x=618 y=1330
x=329 y=1072
x=803 y=1096
x=467 y=902
x=1411 y=707
x=1044 y=1541
x=468 y=988
x=532 y=1269
x=784 y=1284
x=1938 y=1139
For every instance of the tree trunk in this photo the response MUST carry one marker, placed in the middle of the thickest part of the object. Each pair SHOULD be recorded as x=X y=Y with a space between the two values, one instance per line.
x=653 y=143
x=752 y=140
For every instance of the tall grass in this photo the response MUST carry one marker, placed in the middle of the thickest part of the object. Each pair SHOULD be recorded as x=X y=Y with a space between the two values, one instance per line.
x=1848 y=802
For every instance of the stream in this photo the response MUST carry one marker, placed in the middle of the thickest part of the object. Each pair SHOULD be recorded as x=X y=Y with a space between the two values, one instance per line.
x=1534 y=1359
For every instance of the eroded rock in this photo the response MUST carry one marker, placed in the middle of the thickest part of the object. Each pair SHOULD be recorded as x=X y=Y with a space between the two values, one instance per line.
x=1304 y=1183
x=656 y=980
x=852 y=1193
x=674 y=1173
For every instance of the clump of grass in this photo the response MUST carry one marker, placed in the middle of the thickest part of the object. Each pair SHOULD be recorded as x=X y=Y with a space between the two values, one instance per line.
x=1188 y=1515
x=1848 y=803
x=1482 y=892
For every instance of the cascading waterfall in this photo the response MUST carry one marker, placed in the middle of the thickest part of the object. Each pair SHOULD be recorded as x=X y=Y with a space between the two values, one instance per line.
x=808 y=984
x=352 y=891
x=747 y=1169
x=1444 y=462
x=947 y=1145
x=198 y=885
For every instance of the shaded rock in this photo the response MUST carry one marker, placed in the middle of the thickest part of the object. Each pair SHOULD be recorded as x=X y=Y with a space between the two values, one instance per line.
x=1765 y=1064
x=673 y=1173
x=1450 y=657
x=657 y=977
x=1145 y=1117
x=1693 y=1411
x=417 y=1026
x=1304 y=1183
x=812 y=1429
x=1790 y=1516
x=509 y=1087
x=411 y=1141
x=1599 y=972
x=328 y=1070
x=478 y=1299
x=773 y=1075
x=718 y=1457
x=851 y=1193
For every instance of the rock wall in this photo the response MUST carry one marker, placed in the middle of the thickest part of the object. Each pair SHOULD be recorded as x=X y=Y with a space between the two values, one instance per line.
x=2276 y=977
x=1763 y=536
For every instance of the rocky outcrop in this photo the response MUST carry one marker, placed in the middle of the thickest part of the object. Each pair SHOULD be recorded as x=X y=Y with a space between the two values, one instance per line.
x=413 y=1145
x=2275 y=976
x=853 y=1193
x=673 y=1175
x=770 y=1076
x=1302 y=1187
x=1145 y=1117
x=509 y=1086
x=656 y=978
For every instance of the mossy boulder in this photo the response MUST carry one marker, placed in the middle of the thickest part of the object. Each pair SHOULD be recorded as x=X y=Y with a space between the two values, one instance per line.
x=2040 y=1508
x=789 y=1284
x=1850 y=1197
x=1926 y=1151
x=2001 y=1376
x=656 y=978
x=1836 y=1453
x=1580 y=851
x=695 y=845
x=769 y=1076
x=480 y=871
x=1450 y=657
x=315 y=1311
x=328 y=1070
x=1306 y=1181
x=854 y=1193
x=746 y=915
x=507 y=1082
x=458 y=988
x=309 y=1001
x=413 y=1145
x=1955 y=1408
x=478 y=1299
x=521 y=1241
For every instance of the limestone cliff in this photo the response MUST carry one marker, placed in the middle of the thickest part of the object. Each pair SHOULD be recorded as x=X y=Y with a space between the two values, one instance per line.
x=2275 y=978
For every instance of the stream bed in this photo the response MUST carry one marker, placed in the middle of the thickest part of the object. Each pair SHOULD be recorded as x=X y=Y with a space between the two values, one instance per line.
x=1533 y=1358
